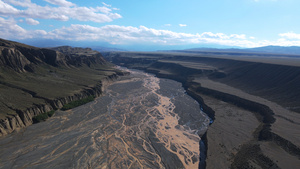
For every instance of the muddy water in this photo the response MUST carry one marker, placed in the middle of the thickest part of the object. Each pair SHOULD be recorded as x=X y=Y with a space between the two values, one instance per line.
x=140 y=122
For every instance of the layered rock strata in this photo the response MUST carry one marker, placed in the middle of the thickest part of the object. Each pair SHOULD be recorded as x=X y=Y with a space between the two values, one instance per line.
x=34 y=78
x=23 y=118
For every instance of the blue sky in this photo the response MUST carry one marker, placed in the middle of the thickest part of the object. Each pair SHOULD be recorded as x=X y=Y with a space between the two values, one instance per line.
x=152 y=23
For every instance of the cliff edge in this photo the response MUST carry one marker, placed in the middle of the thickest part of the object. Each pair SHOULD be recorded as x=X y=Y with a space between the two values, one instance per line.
x=37 y=80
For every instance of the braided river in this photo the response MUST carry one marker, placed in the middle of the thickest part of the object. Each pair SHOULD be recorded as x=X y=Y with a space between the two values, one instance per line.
x=140 y=121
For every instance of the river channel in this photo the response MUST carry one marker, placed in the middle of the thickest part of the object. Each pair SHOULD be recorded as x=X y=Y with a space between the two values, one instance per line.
x=141 y=121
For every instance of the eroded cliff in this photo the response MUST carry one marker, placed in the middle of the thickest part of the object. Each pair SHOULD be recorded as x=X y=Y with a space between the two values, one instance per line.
x=37 y=80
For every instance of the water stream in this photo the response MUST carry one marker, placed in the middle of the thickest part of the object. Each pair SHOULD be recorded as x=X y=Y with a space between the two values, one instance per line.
x=141 y=121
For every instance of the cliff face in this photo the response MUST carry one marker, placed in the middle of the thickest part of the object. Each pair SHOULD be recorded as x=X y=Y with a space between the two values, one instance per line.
x=14 y=59
x=275 y=82
x=79 y=56
x=23 y=118
x=22 y=58
x=37 y=80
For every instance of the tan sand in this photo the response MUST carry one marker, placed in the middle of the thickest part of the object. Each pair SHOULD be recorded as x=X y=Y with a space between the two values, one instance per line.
x=185 y=140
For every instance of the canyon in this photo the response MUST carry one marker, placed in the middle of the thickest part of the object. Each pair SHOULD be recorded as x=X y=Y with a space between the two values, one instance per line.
x=189 y=110
x=134 y=124
x=252 y=99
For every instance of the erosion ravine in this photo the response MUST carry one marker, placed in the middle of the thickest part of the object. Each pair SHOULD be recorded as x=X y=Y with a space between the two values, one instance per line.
x=141 y=121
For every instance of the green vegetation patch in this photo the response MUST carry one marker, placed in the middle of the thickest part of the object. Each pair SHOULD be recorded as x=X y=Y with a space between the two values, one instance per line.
x=77 y=103
x=43 y=116
x=22 y=90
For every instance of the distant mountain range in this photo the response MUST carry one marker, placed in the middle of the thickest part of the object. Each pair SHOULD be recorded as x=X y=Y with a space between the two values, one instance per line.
x=106 y=47
x=49 y=43
x=292 y=50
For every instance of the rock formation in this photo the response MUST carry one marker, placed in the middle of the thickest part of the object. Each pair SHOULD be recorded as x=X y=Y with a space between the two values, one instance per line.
x=29 y=77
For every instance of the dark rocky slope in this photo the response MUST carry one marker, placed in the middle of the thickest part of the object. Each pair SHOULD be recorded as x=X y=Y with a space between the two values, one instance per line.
x=21 y=57
x=36 y=80
x=275 y=82
x=24 y=117
x=79 y=56
x=279 y=83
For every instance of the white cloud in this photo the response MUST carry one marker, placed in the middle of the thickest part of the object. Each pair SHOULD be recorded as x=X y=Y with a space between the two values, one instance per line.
x=116 y=34
x=22 y=3
x=6 y=9
x=60 y=3
x=290 y=35
x=63 y=12
x=214 y=35
x=106 y=4
x=182 y=25
x=104 y=9
x=167 y=25
x=241 y=36
x=9 y=29
x=31 y=21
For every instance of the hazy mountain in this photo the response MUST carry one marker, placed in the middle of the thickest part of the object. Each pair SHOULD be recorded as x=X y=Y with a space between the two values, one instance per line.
x=277 y=49
x=106 y=49
x=292 y=50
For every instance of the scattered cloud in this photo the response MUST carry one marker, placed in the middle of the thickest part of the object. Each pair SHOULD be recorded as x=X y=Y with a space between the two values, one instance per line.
x=106 y=4
x=10 y=30
x=6 y=9
x=182 y=25
x=168 y=25
x=64 y=12
x=31 y=21
x=290 y=35
x=115 y=34
x=60 y=3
